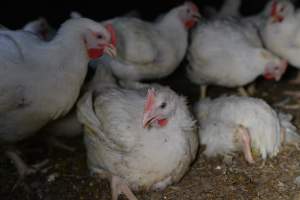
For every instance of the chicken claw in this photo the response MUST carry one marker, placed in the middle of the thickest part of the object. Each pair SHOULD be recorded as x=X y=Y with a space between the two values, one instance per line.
x=203 y=91
x=243 y=92
x=119 y=186
x=57 y=143
x=22 y=167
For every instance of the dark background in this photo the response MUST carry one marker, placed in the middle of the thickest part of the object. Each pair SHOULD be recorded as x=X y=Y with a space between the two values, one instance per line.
x=15 y=14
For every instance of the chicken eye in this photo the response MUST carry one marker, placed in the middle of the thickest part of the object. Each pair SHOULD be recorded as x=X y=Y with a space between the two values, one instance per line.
x=99 y=36
x=188 y=10
x=163 y=105
x=282 y=9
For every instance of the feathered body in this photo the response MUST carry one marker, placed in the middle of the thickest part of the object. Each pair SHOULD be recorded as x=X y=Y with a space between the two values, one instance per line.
x=151 y=50
x=219 y=120
x=40 y=81
x=117 y=142
x=220 y=117
x=228 y=53
x=281 y=33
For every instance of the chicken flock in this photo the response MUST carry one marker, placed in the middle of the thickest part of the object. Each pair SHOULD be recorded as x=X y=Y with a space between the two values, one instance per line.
x=144 y=136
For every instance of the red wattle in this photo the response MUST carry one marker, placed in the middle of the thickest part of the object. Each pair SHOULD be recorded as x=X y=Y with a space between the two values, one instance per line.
x=279 y=18
x=189 y=24
x=269 y=77
x=162 y=122
x=95 y=53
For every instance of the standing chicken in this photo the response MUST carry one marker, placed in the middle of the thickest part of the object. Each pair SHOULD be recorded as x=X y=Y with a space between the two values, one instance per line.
x=230 y=124
x=229 y=53
x=138 y=140
x=40 y=81
x=152 y=50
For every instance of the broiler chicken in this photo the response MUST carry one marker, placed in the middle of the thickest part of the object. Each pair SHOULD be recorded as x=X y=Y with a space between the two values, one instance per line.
x=281 y=31
x=40 y=81
x=281 y=34
x=230 y=8
x=68 y=126
x=139 y=140
x=232 y=124
x=228 y=53
x=41 y=28
x=152 y=50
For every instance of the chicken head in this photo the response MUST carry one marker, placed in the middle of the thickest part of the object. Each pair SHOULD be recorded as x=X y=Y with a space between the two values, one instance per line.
x=99 y=41
x=189 y=14
x=159 y=107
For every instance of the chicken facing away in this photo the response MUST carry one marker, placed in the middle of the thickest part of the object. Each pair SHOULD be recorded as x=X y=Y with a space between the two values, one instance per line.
x=152 y=50
x=231 y=124
x=59 y=67
x=41 y=28
x=139 y=140
x=228 y=53
x=230 y=8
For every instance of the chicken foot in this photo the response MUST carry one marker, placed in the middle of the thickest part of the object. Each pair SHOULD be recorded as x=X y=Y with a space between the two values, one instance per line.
x=119 y=186
x=295 y=94
x=296 y=80
x=54 y=141
x=22 y=168
x=245 y=140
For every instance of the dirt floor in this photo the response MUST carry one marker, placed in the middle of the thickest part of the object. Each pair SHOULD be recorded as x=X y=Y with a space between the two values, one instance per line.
x=68 y=178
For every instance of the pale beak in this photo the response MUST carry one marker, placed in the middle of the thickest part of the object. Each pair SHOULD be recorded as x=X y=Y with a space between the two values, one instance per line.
x=277 y=18
x=283 y=68
x=148 y=118
x=197 y=16
x=110 y=50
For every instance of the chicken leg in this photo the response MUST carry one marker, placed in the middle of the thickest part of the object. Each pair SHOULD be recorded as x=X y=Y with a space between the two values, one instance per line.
x=296 y=80
x=119 y=186
x=54 y=141
x=243 y=92
x=22 y=167
x=203 y=91
x=295 y=94
x=245 y=140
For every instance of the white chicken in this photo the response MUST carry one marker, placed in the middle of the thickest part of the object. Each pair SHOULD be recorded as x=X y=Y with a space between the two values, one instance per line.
x=41 y=28
x=68 y=126
x=228 y=53
x=152 y=50
x=40 y=81
x=231 y=124
x=229 y=8
x=139 y=140
x=281 y=33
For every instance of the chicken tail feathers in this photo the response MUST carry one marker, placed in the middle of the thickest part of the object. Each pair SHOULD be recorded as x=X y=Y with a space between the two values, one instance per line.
x=291 y=135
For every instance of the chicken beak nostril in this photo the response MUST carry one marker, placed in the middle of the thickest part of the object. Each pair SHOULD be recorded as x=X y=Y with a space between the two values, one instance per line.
x=110 y=50
x=148 y=119
x=196 y=16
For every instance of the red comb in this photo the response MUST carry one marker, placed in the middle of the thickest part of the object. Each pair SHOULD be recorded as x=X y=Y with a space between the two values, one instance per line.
x=194 y=7
x=112 y=32
x=274 y=9
x=150 y=100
